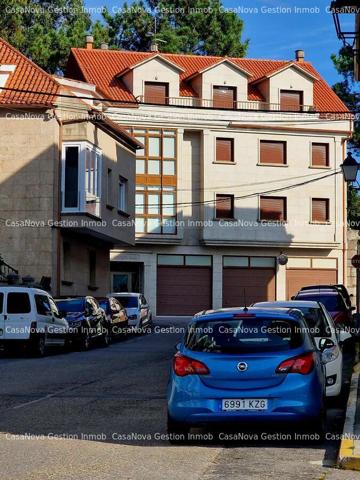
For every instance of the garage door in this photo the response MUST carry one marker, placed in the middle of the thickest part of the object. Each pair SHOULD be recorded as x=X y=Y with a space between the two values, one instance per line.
x=249 y=283
x=184 y=284
x=300 y=277
x=183 y=290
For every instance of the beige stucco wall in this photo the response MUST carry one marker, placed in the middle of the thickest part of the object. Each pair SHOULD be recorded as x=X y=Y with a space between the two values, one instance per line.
x=227 y=75
x=28 y=167
x=291 y=79
x=155 y=70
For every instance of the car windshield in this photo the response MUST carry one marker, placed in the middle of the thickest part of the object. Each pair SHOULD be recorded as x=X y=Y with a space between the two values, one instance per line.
x=243 y=335
x=74 y=305
x=332 y=303
x=315 y=320
x=129 y=302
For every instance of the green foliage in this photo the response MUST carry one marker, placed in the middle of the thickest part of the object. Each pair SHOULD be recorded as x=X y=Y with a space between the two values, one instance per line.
x=348 y=91
x=44 y=31
x=199 y=27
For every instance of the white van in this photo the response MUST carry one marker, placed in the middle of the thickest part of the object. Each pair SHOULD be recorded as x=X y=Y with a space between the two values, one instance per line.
x=30 y=316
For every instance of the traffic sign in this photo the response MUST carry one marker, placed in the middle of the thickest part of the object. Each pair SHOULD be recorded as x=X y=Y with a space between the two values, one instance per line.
x=355 y=261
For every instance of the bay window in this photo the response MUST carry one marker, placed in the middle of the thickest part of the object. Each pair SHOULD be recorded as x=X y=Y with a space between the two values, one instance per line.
x=81 y=178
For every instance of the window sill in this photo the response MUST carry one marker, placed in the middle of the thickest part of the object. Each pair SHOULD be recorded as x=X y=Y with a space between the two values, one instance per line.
x=93 y=288
x=225 y=219
x=217 y=162
x=110 y=207
x=320 y=223
x=272 y=165
x=123 y=214
x=320 y=167
x=67 y=283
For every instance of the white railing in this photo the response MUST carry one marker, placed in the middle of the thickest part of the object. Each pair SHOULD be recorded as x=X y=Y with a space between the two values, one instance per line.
x=194 y=102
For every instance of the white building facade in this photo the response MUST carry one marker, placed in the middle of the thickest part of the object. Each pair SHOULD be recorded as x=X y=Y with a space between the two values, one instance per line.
x=239 y=194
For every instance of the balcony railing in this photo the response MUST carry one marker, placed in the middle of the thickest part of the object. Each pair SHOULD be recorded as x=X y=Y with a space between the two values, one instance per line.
x=193 y=102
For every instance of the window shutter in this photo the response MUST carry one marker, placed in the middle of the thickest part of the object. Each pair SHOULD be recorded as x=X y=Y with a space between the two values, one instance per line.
x=320 y=210
x=224 y=206
x=273 y=208
x=156 y=92
x=273 y=152
x=320 y=155
x=224 y=97
x=224 y=150
x=290 y=101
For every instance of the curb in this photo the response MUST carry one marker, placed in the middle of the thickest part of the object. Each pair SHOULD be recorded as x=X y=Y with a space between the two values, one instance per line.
x=349 y=453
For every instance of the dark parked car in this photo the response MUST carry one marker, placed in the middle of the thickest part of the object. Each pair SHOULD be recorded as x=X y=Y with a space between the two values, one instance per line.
x=87 y=321
x=334 y=303
x=116 y=316
x=337 y=287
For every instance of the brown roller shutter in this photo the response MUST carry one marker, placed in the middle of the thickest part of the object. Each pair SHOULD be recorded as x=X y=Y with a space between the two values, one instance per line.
x=183 y=290
x=320 y=210
x=156 y=92
x=224 y=97
x=224 y=206
x=272 y=152
x=297 y=278
x=320 y=155
x=290 y=101
x=273 y=208
x=248 y=285
x=224 y=150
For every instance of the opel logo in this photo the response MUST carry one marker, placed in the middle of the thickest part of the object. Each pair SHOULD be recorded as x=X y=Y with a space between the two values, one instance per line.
x=242 y=366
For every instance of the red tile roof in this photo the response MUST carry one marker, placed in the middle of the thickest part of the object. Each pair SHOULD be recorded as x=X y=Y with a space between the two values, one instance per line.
x=101 y=67
x=27 y=76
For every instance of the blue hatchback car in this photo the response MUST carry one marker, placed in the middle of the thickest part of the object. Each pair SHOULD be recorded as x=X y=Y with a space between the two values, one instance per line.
x=245 y=365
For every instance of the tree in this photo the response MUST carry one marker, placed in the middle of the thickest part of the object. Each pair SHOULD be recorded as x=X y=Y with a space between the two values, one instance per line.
x=201 y=27
x=348 y=91
x=45 y=31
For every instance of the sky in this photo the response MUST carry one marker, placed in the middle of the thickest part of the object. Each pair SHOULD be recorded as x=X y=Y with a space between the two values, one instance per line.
x=276 y=28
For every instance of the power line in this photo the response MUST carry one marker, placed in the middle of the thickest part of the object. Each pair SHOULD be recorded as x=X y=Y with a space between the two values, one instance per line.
x=132 y=102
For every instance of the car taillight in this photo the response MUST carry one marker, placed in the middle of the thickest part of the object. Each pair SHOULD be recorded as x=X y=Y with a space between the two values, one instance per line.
x=302 y=364
x=188 y=366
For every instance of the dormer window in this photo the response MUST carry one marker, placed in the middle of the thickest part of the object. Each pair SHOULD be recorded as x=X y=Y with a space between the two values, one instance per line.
x=291 y=101
x=156 y=92
x=5 y=72
x=224 y=97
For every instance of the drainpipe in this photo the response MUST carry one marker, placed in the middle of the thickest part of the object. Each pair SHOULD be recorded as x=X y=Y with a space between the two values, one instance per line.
x=344 y=221
x=58 y=212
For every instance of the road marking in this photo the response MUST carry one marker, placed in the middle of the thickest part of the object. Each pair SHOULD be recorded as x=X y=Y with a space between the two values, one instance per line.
x=51 y=395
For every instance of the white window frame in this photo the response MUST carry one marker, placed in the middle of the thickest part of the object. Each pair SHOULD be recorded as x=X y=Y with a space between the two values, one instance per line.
x=83 y=194
x=122 y=194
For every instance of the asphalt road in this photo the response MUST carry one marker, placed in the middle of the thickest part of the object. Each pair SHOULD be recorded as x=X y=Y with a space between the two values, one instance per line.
x=101 y=415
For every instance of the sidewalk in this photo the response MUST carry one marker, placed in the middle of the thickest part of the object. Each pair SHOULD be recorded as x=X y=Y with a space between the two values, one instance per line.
x=349 y=453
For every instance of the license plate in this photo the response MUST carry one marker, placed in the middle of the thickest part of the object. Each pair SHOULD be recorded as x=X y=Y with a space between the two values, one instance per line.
x=244 y=404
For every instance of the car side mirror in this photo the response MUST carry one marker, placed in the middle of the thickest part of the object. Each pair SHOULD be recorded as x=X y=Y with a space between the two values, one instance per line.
x=344 y=335
x=326 y=343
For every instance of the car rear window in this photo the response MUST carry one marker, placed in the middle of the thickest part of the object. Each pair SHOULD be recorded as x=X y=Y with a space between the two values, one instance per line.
x=243 y=335
x=75 y=305
x=18 y=302
x=332 y=303
x=129 y=302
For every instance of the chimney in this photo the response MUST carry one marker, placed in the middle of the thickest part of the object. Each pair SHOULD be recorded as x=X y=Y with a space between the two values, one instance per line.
x=154 y=47
x=89 y=42
x=104 y=46
x=300 y=56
